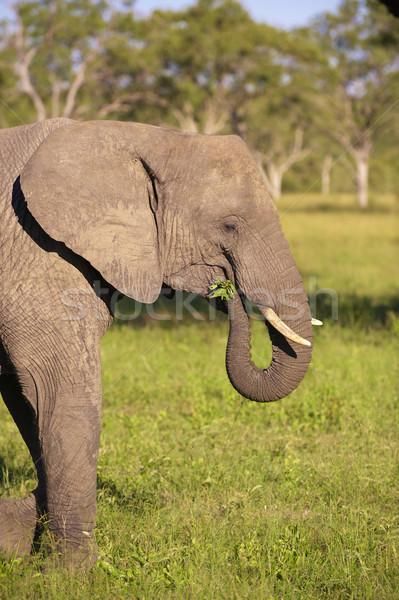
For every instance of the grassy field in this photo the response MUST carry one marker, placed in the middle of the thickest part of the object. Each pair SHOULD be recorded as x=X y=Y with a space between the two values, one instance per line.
x=202 y=494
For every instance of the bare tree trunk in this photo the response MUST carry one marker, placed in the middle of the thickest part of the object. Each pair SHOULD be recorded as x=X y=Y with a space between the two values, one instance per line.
x=362 y=174
x=361 y=155
x=275 y=176
x=258 y=158
x=326 y=174
x=25 y=56
x=22 y=65
x=76 y=85
x=186 y=119
x=55 y=100
x=211 y=120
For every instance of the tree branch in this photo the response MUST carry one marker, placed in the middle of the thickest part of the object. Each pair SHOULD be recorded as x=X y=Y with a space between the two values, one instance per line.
x=55 y=97
x=75 y=87
x=185 y=118
x=22 y=70
x=258 y=159
x=125 y=102
x=213 y=122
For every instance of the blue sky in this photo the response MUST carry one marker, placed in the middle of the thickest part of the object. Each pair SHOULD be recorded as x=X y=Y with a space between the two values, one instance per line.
x=282 y=13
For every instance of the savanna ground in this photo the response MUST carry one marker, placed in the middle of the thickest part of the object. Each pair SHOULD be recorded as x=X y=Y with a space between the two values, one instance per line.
x=204 y=495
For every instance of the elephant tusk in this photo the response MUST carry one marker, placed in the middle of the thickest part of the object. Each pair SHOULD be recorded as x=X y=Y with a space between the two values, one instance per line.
x=278 y=324
x=316 y=322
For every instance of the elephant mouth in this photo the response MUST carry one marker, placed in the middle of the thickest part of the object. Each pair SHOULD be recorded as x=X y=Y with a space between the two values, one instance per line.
x=272 y=318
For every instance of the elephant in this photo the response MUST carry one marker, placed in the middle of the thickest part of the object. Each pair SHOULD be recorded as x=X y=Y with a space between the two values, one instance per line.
x=87 y=208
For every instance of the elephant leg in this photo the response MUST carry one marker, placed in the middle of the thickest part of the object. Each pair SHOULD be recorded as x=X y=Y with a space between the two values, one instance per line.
x=69 y=432
x=58 y=412
x=70 y=452
x=19 y=518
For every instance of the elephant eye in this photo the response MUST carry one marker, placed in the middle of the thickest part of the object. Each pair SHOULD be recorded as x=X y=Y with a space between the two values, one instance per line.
x=230 y=227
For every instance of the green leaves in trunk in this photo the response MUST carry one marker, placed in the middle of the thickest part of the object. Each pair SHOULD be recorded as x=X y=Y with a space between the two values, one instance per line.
x=224 y=290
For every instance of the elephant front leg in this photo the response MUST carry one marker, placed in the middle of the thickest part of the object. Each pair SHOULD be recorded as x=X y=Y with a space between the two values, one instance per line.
x=70 y=452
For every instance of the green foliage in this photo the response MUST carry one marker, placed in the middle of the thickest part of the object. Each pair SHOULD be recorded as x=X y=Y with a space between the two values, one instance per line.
x=210 y=68
x=202 y=494
x=360 y=83
x=224 y=290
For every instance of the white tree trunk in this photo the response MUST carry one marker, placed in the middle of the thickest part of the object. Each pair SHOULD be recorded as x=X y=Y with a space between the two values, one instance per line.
x=362 y=176
x=274 y=169
x=24 y=57
x=361 y=155
x=326 y=174
x=213 y=118
x=275 y=177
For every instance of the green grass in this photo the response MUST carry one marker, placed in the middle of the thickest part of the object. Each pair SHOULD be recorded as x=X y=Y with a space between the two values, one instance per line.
x=204 y=495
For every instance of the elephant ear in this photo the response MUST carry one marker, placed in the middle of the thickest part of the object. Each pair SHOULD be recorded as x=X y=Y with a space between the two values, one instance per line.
x=87 y=187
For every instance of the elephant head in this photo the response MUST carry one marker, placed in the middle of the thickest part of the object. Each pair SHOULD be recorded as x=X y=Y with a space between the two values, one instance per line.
x=146 y=205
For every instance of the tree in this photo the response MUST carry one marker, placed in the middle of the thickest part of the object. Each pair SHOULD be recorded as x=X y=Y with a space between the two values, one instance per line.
x=280 y=155
x=52 y=46
x=72 y=58
x=278 y=113
x=359 y=88
x=205 y=54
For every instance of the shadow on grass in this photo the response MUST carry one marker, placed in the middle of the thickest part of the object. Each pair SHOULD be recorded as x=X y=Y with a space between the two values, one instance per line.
x=352 y=311
x=336 y=208
x=168 y=311
x=360 y=311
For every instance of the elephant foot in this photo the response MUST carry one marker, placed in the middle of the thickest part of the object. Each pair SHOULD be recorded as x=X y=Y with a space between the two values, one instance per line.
x=66 y=555
x=18 y=520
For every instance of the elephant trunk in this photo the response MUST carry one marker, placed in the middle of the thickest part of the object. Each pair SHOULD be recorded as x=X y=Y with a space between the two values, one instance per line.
x=290 y=359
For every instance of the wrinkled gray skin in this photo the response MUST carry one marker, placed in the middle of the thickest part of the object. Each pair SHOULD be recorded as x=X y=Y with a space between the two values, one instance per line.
x=130 y=206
